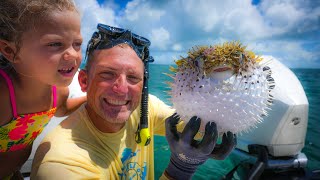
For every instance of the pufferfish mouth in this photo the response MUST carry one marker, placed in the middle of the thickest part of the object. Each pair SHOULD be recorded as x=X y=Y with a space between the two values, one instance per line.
x=221 y=68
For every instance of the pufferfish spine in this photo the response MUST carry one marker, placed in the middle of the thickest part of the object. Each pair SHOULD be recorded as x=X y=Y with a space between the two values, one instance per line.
x=224 y=84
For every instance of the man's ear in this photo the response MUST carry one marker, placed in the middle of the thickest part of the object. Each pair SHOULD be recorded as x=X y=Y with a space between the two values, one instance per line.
x=83 y=80
x=8 y=50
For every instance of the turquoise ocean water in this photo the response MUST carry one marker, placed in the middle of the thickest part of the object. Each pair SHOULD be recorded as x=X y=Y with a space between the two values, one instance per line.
x=213 y=169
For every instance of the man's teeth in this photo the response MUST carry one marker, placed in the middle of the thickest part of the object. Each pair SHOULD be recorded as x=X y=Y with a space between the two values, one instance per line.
x=116 y=102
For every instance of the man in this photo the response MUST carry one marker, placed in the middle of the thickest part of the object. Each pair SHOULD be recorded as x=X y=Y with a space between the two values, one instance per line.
x=98 y=141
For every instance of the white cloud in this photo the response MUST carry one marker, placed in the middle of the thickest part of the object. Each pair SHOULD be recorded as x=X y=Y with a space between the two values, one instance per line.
x=160 y=38
x=284 y=16
x=91 y=14
x=177 y=47
x=138 y=10
x=290 y=53
x=281 y=16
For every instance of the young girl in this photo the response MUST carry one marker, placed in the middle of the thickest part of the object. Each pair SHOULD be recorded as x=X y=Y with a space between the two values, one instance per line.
x=40 y=48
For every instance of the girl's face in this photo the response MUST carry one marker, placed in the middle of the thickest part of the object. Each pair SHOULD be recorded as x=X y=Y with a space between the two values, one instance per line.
x=51 y=51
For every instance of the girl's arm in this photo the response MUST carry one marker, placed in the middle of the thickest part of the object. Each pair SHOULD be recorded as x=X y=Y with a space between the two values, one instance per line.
x=67 y=105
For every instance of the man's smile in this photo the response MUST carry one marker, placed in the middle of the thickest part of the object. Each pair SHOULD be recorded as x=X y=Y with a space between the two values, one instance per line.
x=115 y=102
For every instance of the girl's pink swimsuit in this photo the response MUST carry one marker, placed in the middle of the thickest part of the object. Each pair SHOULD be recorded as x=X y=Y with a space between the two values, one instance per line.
x=22 y=130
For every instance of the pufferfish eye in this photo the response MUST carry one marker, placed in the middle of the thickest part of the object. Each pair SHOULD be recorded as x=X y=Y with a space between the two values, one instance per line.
x=198 y=62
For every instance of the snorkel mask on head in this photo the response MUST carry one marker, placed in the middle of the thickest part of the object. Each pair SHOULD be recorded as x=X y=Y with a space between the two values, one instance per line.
x=108 y=37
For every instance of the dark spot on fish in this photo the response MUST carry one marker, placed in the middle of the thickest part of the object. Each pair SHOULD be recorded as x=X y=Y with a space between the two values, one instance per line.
x=250 y=76
x=198 y=80
x=252 y=82
x=184 y=79
x=202 y=76
x=192 y=72
x=246 y=82
x=180 y=94
x=198 y=74
x=196 y=63
x=270 y=101
x=182 y=74
x=201 y=86
x=257 y=81
x=272 y=86
x=181 y=85
x=270 y=79
x=266 y=68
x=245 y=76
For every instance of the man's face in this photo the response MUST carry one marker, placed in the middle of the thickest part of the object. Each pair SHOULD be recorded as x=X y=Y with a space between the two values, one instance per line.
x=114 y=84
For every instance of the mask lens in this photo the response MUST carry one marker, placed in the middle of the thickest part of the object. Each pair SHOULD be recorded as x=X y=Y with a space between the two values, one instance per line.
x=141 y=40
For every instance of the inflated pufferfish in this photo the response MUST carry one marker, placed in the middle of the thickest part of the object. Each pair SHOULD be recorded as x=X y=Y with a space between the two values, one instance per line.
x=222 y=83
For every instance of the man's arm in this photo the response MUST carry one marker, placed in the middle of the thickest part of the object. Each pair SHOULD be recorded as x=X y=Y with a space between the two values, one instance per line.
x=159 y=111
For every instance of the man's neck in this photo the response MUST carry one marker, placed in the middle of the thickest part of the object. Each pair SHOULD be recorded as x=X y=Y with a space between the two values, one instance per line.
x=102 y=124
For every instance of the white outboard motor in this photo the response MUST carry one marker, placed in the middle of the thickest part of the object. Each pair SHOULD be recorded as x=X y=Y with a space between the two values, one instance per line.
x=277 y=142
x=283 y=131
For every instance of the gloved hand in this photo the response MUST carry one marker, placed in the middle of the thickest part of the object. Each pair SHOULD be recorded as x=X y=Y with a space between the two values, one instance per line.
x=186 y=153
x=221 y=151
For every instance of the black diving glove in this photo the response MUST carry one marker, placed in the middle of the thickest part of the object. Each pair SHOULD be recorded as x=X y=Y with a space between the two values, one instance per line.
x=221 y=151
x=186 y=153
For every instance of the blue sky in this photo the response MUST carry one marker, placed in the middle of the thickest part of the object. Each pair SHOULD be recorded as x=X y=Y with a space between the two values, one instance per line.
x=288 y=30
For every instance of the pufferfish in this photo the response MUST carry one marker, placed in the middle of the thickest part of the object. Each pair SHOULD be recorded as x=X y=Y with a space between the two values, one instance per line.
x=223 y=83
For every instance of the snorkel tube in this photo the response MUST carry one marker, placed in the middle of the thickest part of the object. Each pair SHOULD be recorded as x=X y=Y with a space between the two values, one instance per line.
x=143 y=135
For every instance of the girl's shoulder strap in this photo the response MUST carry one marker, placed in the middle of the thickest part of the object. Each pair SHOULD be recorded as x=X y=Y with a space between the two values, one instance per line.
x=54 y=96
x=11 y=92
